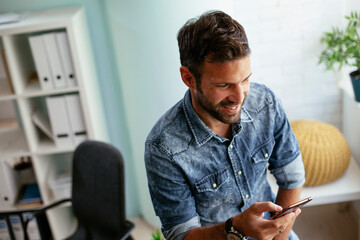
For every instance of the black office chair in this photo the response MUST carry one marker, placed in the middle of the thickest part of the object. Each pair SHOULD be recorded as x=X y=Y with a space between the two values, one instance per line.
x=97 y=194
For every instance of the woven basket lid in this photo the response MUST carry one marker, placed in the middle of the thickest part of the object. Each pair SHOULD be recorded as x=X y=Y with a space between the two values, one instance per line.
x=325 y=151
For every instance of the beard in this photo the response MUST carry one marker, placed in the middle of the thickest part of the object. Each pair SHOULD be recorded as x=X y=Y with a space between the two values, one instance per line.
x=215 y=110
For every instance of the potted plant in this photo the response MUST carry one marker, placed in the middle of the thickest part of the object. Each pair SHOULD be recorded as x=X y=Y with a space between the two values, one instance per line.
x=343 y=48
x=157 y=235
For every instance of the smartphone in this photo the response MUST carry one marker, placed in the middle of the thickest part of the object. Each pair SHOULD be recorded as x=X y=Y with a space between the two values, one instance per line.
x=291 y=208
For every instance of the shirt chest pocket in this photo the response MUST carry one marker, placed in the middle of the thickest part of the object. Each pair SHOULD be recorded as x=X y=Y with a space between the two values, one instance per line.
x=214 y=189
x=261 y=155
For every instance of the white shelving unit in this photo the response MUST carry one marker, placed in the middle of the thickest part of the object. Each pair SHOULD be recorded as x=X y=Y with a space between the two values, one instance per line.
x=26 y=139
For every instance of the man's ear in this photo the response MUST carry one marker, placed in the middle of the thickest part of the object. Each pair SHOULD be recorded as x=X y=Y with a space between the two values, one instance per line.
x=187 y=77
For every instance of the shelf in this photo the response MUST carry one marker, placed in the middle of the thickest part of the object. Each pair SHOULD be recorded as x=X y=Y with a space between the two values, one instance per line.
x=25 y=95
x=344 y=189
x=13 y=143
x=33 y=90
x=41 y=21
x=46 y=146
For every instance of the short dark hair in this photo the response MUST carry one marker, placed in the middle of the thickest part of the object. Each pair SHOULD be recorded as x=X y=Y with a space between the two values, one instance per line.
x=214 y=37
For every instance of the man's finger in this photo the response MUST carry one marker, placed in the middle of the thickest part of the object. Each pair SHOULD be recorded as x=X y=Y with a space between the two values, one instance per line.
x=261 y=207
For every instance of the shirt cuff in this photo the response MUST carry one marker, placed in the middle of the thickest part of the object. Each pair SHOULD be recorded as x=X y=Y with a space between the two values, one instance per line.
x=290 y=176
x=179 y=231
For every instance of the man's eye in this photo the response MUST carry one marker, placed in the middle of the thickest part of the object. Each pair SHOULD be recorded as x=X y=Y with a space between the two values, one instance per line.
x=222 y=85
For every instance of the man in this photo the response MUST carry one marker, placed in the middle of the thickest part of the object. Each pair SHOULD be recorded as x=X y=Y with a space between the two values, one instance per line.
x=206 y=158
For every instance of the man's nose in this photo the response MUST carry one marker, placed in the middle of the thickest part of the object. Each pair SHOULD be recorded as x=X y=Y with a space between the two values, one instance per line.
x=238 y=93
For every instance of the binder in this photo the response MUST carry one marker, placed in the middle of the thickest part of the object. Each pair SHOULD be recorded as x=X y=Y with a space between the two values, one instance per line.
x=53 y=56
x=59 y=120
x=77 y=121
x=4 y=230
x=32 y=230
x=65 y=56
x=9 y=185
x=41 y=62
x=17 y=228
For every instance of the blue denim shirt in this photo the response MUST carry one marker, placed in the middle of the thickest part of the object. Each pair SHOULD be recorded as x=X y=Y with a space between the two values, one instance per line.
x=197 y=178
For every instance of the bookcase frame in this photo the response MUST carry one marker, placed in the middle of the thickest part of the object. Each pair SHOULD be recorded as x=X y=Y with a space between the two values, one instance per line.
x=26 y=96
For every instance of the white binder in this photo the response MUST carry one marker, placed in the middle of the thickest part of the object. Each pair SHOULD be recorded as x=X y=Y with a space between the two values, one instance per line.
x=64 y=50
x=32 y=230
x=9 y=185
x=16 y=226
x=41 y=62
x=59 y=120
x=53 y=55
x=76 y=118
x=4 y=230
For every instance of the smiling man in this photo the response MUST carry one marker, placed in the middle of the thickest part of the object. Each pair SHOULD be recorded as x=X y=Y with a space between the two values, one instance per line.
x=207 y=157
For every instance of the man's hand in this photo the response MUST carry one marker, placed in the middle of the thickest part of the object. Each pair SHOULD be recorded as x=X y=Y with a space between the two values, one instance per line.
x=252 y=224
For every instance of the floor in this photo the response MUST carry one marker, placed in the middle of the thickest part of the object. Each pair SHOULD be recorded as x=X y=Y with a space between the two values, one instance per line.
x=327 y=222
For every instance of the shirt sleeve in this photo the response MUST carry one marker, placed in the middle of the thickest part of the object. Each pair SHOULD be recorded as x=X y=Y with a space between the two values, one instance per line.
x=171 y=196
x=290 y=176
x=286 y=161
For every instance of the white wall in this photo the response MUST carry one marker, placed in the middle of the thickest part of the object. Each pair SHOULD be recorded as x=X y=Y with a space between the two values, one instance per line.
x=284 y=37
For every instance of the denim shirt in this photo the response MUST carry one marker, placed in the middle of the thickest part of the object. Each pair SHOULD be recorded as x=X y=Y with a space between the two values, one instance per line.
x=197 y=178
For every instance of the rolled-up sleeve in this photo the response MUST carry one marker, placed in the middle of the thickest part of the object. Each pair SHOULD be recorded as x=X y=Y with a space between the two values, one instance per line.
x=290 y=176
x=179 y=231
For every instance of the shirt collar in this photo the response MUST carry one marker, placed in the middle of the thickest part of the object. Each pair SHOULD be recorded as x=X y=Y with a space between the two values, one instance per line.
x=201 y=132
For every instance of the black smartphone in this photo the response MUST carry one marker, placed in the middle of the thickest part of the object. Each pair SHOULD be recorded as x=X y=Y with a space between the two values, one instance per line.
x=291 y=208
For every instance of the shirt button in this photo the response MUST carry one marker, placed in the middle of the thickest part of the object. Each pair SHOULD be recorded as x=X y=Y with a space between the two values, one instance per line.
x=266 y=155
x=246 y=196
x=231 y=146
x=239 y=172
x=214 y=185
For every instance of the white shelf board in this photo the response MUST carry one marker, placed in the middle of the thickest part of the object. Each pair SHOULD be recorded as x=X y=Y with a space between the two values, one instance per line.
x=46 y=146
x=346 y=188
x=33 y=90
x=40 y=21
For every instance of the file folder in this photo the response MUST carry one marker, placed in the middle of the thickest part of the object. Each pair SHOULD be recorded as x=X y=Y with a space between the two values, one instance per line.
x=77 y=120
x=4 y=230
x=64 y=50
x=55 y=63
x=41 y=62
x=59 y=120
x=16 y=225
x=32 y=230
x=9 y=185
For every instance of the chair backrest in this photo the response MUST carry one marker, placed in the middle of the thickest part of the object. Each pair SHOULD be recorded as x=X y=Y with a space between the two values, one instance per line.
x=98 y=188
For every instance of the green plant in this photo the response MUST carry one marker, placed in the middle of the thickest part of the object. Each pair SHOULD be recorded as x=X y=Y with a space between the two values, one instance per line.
x=157 y=235
x=343 y=46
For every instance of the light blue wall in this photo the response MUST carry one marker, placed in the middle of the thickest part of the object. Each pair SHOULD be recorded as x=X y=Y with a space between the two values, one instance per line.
x=108 y=80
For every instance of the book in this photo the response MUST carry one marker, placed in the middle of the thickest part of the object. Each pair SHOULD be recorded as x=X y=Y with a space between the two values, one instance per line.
x=29 y=196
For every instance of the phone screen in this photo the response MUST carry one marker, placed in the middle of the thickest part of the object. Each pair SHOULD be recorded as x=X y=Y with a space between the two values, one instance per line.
x=291 y=208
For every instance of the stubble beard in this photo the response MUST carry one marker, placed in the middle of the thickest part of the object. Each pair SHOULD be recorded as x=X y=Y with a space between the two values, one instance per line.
x=215 y=110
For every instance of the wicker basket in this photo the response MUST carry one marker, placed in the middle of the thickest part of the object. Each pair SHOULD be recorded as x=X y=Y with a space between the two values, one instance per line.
x=325 y=151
